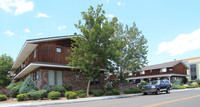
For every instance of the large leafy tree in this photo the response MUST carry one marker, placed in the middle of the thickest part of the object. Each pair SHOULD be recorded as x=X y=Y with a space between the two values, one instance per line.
x=94 y=49
x=6 y=63
x=133 y=46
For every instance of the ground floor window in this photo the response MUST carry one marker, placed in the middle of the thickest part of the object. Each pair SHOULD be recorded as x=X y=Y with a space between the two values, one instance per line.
x=51 y=77
x=95 y=81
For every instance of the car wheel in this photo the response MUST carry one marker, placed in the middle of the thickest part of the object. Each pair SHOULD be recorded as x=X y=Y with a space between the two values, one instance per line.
x=168 y=90
x=158 y=92
x=144 y=93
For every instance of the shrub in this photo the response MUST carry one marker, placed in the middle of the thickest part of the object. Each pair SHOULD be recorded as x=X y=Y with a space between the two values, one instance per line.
x=57 y=88
x=97 y=92
x=82 y=95
x=28 y=86
x=11 y=84
x=115 y=92
x=35 y=95
x=3 y=97
x=142 y=84
x=193 y=86
x=54 y=95
x=108 y=93
x=175 y=86
x=21 y=97
x=72 y=95
x=5 y=90
x=15 y=84
x=185 y=80
x=47 y=88
x=79 y=92
x=67 y=93
x=68 y=87
x=108 y=86
x=15 y=90
x=132 y=91
x=182 y=87
x=198 y=81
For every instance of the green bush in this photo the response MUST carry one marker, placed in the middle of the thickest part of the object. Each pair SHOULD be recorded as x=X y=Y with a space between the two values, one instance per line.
x=15 y=90
x=35 y=95
x=28 y=86
x=115 y=92
x=175 y=86
x=71 y=95
x=82 y=95
x=47 y=88
x=79 y=92
x=54 y=95
x=15 y=84
x=22 y=97
x=3 y=97
x=132 y=91
x=108 y=86
x=142 y=84
x=57 y=88
x=182 y=87
x=11 y=84
x=97 y=92
x=193 y=86
x=198 y=81
x=108 y=93
x=67 y=93
x=68 y=87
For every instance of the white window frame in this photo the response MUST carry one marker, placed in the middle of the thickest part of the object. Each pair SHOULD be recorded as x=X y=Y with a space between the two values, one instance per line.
x=142 y=72
x=163 y=70
x=59 y=50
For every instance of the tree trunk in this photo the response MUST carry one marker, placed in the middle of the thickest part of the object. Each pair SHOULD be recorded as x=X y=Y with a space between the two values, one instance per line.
x=88 y=87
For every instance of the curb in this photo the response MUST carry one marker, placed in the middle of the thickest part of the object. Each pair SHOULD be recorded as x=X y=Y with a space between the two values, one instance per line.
x=70 y=101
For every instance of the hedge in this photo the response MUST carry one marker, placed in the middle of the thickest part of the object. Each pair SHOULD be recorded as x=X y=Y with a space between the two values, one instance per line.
x=54 y=95
x=3 y=97
x=22 y=97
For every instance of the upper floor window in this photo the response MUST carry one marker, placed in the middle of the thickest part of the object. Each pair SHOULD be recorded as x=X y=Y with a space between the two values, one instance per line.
x=193 y=72
x=34 y=53
x=58 y=50
x=163 y=70
x=142 y=72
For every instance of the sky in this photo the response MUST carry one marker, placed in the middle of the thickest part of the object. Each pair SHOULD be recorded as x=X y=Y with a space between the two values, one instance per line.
x=171 y=27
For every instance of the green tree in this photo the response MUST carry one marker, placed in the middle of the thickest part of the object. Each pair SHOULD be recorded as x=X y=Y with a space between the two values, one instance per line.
x=6 y=63
x=95 y=49
x=133 y=46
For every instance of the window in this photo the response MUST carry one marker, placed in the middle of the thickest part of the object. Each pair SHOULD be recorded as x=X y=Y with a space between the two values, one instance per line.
x=95 y=81
x=34 y=53
x=35 y=75
x=58 y=50
x=59 y=78
x=163 y=70
x=23 y=64
x=151 y=72
x=193 y=72
x=142 y=72
x=51 y=77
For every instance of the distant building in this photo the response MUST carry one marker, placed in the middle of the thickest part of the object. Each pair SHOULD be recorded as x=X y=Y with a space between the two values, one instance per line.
x=172 y=71
x=193 y=65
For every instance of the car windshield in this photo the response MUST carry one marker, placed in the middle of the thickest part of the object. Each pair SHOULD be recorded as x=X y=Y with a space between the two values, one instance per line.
x=154 y=82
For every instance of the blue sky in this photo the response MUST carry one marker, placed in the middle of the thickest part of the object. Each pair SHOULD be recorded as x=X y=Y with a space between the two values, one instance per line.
x=172 y=27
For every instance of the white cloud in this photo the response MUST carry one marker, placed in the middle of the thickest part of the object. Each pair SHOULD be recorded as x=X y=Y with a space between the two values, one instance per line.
x=20 y=6
x=40 y=33
x=110 y=15
x=181 y=44
x=119 y=3
x=27 y=30
x=61 y=27
x=9 y=33
x=41 y=15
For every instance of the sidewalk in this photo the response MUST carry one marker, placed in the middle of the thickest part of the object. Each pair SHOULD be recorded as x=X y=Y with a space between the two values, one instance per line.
x=77 y=100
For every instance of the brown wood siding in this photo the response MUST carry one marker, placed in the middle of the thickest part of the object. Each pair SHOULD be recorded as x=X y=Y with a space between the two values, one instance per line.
x=180 y=69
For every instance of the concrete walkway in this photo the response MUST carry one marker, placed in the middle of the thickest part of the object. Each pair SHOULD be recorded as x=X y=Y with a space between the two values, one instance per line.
x=78 y=100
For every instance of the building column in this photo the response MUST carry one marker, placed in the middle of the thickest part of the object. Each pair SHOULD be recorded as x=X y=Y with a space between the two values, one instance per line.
x=158 y=78
x=169 y=78
x=149 y=80
x=141 y=80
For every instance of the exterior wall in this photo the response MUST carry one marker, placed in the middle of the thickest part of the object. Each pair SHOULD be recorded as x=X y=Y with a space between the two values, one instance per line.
x=68 y=77
x=180 y=69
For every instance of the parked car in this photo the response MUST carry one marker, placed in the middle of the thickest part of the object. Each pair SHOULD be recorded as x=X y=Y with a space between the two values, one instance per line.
x=157 y=86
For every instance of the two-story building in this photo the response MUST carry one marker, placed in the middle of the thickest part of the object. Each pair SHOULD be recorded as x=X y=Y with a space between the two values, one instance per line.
x=45 y=61
x=174 y=70
x=193 y=65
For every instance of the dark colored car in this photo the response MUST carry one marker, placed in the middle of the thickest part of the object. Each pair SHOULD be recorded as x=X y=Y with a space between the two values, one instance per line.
x=157 y=86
